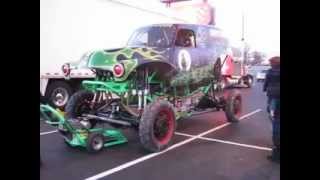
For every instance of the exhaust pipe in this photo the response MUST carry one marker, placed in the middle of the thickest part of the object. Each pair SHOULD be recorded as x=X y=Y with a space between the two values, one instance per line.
x=109 y=120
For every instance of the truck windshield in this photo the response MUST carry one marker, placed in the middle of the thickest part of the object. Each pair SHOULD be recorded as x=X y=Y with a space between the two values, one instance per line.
x=154 y=36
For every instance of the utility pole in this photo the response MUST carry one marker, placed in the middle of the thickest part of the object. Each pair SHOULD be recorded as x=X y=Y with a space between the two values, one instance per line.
x=245 y=53
x=242 y=37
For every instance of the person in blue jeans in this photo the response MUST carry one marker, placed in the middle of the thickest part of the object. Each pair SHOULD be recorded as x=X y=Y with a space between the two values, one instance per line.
x=275 y=118
x=272 y=88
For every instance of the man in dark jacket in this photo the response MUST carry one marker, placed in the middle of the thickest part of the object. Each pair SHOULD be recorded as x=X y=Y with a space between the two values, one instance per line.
x=272 y=87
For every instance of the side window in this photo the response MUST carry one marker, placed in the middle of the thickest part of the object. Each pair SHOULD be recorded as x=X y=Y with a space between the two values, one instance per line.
x=202 y=37
x=83 y=62
x=139 y=38
x=143 y=38
x=217 y=42
x=185 y=38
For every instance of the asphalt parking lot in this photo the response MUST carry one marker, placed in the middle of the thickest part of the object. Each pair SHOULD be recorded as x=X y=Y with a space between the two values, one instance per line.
x=205 y=147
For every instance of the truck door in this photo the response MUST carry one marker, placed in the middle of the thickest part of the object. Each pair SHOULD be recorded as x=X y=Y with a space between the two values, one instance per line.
x=185 y=50
x=185 y=56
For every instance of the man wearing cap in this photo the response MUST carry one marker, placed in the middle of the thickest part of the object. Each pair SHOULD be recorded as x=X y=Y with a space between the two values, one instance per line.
x=272 y=88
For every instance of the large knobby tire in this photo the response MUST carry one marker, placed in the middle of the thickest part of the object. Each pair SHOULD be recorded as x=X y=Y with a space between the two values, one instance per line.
x=95 y=142
x=217 y=70
x=157 y=126
x=233 y=107
x=78 y=104
x=58 y=93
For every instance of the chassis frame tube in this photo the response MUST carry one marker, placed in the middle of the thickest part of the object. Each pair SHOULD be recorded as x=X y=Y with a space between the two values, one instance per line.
x=108 y=119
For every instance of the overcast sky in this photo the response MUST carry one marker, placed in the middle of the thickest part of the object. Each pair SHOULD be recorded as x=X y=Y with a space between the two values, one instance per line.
x=262 y=21
x=69 y=28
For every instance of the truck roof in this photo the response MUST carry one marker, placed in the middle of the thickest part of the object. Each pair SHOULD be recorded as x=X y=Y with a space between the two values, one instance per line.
x=184 y=24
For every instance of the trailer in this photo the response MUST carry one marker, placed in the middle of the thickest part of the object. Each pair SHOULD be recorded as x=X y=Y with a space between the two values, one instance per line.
x=57 y=86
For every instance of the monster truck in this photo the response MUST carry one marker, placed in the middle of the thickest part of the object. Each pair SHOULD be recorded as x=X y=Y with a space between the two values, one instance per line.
x=167 y=72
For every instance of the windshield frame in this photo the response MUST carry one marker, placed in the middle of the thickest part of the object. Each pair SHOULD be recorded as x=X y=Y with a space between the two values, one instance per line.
x=170 y=43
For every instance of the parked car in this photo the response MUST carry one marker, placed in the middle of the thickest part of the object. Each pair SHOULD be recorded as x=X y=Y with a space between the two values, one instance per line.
x=261 y=75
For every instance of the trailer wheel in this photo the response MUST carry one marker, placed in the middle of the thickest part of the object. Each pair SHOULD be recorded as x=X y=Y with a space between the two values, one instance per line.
x=157 y=126
x=78 y=104
x=248 y=81
x=95 y=142
x=233 y=107
x=58 y=94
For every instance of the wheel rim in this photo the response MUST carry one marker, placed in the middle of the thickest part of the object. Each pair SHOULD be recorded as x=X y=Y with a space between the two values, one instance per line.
x=59 y=97
x=249 y=80
x=97 y=143
x=164 y=126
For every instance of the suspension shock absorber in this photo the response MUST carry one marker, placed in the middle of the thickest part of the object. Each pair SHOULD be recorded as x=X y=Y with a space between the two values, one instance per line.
x=140 y=85
x=100 y=96
x=93 y=100
x=139 y=99
x=146 y=87
x=114 y=108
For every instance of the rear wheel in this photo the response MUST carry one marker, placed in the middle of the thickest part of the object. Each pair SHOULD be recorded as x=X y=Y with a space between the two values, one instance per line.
x=233 y=107
x=157 y=126
x=95 y=142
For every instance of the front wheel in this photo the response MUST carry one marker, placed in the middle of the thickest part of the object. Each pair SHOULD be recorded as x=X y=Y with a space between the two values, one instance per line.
x=157 y=126
x=79 y=104
x=233 y=107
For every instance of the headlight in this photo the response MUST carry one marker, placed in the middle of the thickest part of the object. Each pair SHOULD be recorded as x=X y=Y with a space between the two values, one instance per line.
x=66 y=69
x=118 y=70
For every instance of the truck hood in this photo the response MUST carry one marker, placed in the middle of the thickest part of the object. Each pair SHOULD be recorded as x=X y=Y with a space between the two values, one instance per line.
x=130 y=57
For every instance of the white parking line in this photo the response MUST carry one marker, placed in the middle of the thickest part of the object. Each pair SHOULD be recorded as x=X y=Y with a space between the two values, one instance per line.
x=48 y=132
x=250 y=114
x=226 y=142
x=136 y=161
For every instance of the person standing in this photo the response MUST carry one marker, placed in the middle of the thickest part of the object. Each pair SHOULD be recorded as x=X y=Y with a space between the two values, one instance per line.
x=272 y=88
